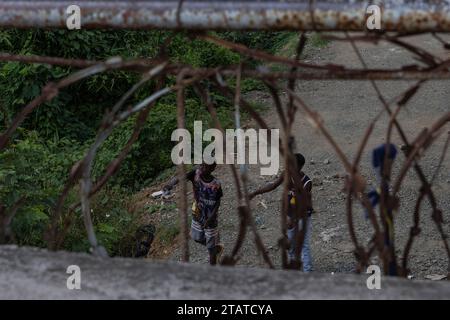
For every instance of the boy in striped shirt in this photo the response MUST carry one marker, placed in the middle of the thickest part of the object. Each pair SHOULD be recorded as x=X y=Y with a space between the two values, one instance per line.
x=307 y=187
x=292 y=203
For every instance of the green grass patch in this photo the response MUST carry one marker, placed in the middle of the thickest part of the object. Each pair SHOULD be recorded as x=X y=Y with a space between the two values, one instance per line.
x=167 y=231
x=317 y=41
x=152 y=208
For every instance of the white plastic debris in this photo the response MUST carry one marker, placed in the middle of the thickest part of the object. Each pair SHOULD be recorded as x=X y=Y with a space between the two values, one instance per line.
x=263 y=204
x=436 y=277
x=157 y=194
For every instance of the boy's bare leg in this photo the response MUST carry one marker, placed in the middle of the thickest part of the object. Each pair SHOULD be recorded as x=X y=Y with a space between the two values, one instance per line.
x=215 y=254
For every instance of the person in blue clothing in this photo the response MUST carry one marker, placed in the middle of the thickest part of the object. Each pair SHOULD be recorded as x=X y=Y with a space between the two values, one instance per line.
x=380 y=165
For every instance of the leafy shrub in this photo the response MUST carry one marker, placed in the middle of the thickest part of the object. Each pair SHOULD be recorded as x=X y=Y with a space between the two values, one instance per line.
x=35 y=171
x=37 y=162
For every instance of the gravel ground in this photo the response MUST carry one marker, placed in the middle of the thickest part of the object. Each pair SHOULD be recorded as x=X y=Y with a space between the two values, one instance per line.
x=347 y=108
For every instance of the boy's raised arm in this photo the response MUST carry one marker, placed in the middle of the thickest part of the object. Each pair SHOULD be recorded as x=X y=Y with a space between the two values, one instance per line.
x=268 y=187
x=173 y=182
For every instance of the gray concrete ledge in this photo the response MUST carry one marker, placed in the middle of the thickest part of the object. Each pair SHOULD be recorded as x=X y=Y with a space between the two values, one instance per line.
x=30 y=273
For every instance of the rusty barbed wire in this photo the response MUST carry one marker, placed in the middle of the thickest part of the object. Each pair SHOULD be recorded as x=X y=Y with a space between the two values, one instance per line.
x=428 y=67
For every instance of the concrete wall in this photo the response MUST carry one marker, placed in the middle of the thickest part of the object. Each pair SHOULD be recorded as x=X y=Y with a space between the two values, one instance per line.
x=30 y=273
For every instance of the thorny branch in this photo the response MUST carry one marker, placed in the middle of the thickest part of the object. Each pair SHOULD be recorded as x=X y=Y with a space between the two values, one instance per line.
x=428 y=67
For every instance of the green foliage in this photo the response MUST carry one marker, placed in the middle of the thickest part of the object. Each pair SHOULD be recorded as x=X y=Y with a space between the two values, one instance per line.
x=36 y=164
x=168 y=230
x=114 y=225
x=34 y=170
x=270 y=41
x=317 y=41
x=152 y=208
x=251 y=85
x=149 y=156
x=200 y=53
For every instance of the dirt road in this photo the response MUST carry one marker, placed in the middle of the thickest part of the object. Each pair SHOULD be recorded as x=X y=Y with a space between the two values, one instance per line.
x=347 y=108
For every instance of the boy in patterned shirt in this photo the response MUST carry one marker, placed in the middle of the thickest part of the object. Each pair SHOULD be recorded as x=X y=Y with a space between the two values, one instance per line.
x=207 y=195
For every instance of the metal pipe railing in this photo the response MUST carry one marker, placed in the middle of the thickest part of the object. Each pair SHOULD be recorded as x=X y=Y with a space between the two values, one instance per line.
x=350 y=15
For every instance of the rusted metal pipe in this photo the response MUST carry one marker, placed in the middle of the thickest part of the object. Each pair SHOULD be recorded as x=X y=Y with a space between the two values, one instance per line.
x=350 y=15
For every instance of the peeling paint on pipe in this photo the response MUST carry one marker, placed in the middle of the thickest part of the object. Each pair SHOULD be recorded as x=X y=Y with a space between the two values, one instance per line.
x=339 y=15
